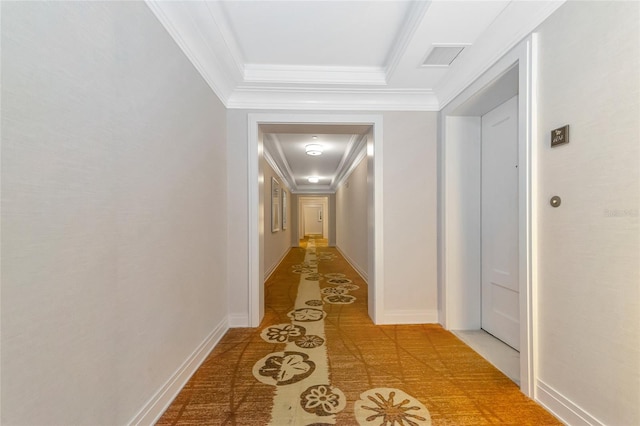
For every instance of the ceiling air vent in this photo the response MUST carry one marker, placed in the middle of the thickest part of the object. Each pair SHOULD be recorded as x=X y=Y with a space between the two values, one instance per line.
x=442 y=56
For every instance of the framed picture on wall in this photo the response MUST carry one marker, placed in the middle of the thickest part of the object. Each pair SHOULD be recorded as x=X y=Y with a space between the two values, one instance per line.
x=275 y=205
x=284 y=209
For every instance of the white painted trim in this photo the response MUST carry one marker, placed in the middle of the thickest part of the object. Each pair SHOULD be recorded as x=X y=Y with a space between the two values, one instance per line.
x=409 y=28
x=230 y=42
x=511 y=27
x=282 y=98
x=238 y=320
x=563 y=408
x=160 y=401
x=202 y=31
x=305 y=74
x=353 y=159
x=354 y=265
x=429 y=316
x=528 y=221
x=310 y=200
x=1 y=174
x=286 y=181
x=176 y=18
x=253 y=225
x=524 y=55
x=376 y=262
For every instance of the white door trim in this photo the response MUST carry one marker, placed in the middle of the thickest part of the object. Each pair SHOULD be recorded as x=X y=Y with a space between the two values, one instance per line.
x=255 y=223
x=450 y=315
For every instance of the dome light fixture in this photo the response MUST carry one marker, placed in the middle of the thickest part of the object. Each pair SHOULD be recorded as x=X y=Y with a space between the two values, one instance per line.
x=313 y=179
x=314 y=149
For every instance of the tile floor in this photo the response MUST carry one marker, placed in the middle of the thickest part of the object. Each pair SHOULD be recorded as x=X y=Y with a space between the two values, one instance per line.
x=502 y=356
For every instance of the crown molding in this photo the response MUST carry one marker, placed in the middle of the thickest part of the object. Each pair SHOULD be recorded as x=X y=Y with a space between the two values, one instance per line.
x=345 y=158
x=274 y=165
x=333 y=99
x=513 y=25
x=412 y=23
x=274 y=155
x=216 y=8
x=301 y=74
x=312 y=190
x=210 y=61
x=355 y=152
x=203 y=33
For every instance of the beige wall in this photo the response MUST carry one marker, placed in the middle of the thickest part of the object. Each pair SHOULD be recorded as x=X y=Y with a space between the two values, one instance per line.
x=410 y=216
x=113 y=211
x=276 y=244
x=351 y=218
x=588 y=273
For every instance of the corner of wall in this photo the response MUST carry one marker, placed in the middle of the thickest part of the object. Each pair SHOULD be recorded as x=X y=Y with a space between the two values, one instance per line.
x=160 y=401
x=562 y=407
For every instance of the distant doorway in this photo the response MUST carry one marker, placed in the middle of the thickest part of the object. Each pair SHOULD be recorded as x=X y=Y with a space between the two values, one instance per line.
x=313 y=217
x=256 y=202
x=312 y=221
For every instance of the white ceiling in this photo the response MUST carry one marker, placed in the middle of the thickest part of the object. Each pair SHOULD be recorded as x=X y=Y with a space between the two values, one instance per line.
x=343 y=147
x=358 y=55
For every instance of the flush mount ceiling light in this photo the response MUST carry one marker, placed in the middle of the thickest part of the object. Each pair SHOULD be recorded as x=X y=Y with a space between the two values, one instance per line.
x=313 y=179
x=313 y=149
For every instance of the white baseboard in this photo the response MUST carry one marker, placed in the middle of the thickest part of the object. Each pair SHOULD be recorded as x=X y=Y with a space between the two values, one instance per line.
x=561 y=407
x=354 y=265
x=160 y=401
x=271 y=270
x=409 y=317
x=238 y=320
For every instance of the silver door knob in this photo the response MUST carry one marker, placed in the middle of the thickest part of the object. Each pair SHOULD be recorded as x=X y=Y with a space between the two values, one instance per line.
x=555 y=201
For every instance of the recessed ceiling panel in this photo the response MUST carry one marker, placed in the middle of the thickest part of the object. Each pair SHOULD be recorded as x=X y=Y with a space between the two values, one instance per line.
x=316 y=33
x=347 y=55
x=302 y=165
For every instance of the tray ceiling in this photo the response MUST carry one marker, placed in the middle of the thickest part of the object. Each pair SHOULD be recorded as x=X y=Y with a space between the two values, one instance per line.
x=341 y=55
x=344 y=55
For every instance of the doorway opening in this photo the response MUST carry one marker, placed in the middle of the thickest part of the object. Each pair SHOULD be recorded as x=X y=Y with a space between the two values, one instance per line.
x=256 y=203
x=486 y=217
x=314 y=219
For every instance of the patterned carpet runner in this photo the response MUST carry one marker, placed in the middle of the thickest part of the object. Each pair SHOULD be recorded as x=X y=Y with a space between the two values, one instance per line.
x=318 y=360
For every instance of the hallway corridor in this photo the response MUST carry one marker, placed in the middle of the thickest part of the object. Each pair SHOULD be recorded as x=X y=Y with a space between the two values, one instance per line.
x=317 y=359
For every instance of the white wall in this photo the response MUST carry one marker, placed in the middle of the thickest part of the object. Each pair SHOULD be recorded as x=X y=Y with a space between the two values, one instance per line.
x=409 y=214
x=463 y=244
x=589 y=247
x=351 y=219
x=237 y=213
x=113 y=211
x=276 y=244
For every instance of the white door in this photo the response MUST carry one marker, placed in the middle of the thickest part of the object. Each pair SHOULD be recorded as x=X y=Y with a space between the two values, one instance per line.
x=313 y=220
x=500 y=286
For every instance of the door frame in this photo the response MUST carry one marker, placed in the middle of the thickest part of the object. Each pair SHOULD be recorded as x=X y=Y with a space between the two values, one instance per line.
x=455 y=310
x=255 y=222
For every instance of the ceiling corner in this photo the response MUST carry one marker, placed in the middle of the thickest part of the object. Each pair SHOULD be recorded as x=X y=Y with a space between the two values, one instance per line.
x=511 y=27
x=194 y=29
x=414 y=18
